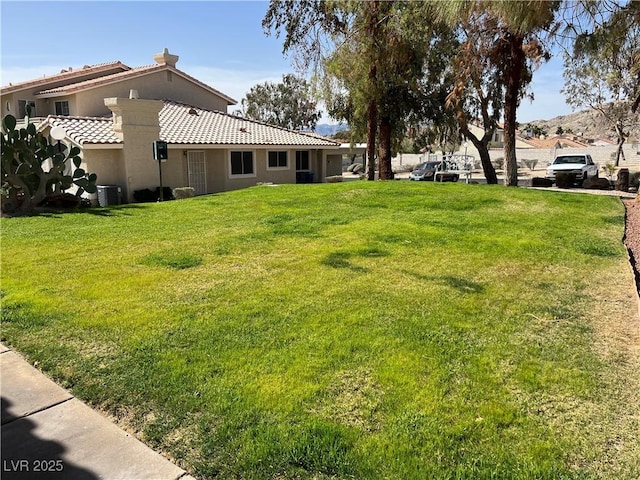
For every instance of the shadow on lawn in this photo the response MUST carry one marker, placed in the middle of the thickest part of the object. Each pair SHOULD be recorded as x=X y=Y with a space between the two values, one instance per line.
x=460 y=284
x=115 y=211
x=341 y=260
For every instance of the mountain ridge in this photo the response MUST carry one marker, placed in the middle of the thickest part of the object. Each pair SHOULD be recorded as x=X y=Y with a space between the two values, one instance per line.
x=585 y=123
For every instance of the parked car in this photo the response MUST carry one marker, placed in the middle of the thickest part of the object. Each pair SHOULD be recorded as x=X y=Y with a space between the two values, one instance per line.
x=581 y=165
x=427 y=171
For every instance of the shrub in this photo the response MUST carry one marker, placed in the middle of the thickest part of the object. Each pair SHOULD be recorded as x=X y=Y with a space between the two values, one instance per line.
x=148 y=195
x=167 y=193
x=498 y=163
x=565 y=179
x=597 y=184
x=183 y=192
x=145 y=195
x=541 y=182
x=531 y=164
x=609 y=169
x=634 y=179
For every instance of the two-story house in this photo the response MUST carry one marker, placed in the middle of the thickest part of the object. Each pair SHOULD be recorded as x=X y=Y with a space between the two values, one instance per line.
x=114 y=113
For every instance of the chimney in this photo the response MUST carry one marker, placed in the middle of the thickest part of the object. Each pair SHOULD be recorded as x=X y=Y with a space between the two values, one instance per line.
x=165 y=58
x=136 y=124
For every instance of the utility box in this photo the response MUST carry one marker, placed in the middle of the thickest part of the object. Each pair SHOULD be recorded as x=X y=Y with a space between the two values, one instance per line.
x=160 y=150
x=109 y=195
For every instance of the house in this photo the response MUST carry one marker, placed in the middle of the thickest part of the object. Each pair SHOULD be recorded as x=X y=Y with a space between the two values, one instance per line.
x=497 y=140
x=81 y=92
x=114 y=113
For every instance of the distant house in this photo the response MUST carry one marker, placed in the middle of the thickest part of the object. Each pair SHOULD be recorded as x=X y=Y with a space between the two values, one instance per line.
x=114 y=113
x=557 y=141
x=601 y=142
x=497 y=140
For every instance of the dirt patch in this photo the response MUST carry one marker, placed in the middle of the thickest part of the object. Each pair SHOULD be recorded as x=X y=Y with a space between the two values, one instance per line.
x=632 y=235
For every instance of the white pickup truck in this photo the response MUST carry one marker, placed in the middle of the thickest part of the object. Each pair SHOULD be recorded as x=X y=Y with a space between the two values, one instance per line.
x=579 y=163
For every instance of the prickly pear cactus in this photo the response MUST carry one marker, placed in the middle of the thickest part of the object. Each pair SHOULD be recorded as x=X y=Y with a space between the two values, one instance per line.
x=34 y=170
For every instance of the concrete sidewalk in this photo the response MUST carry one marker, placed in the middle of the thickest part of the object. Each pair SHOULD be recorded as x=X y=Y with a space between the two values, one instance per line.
x=49 y=434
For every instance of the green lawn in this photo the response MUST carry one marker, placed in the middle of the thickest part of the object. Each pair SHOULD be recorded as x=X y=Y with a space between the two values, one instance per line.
x=359 y=330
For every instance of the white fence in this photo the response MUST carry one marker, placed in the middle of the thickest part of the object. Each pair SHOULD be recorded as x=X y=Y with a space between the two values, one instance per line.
x=544 y=156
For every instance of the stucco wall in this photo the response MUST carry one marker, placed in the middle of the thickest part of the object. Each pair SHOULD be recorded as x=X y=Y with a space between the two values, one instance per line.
x=334 y=165
x=108 y=165
x=141 y=171
x=261 y=174
x=162 y=85
x=218 y=168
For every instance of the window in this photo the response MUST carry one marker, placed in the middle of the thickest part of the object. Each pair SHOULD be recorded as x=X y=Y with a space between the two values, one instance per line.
x=277 y=160
x=242 y=163
x=62 y=108
x=302 y=160
x=22 y=108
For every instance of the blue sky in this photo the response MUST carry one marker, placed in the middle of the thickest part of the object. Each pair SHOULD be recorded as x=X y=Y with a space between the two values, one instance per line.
x=219 y=42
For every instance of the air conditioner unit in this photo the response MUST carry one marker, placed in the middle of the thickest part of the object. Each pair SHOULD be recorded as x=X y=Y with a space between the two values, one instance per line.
x=109 y=195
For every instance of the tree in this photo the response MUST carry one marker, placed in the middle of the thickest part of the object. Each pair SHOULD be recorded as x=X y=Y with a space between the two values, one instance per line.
x=25 y=183
x=608 y=24
x=519 y=49
x=365 y=70
x=373 y=67
x=393 y=77
x=287 y=104
x=603 y=70
x=478 y=90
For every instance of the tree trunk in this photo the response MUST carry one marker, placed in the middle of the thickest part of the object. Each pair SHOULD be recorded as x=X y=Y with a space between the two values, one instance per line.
x=619 y=151
x=483 y=151
x=485 y=159
x=511 y=100
x=384 y=150
x=372 y=124
x=372 y=110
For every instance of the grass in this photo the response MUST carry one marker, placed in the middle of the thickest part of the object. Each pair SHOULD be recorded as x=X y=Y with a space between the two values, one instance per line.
x=359 y=330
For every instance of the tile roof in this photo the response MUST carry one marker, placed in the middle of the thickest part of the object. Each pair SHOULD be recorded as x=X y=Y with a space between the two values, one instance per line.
x=84 y=130
x=131 y=73
x=187 y=125
x=65 y=76
x=179 y=126
x=552 y=142
x=96 y=82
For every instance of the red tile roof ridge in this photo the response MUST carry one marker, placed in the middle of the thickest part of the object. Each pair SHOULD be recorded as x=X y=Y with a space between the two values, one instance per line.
x=94 y=82
x=131 y=72
x=62 y=75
